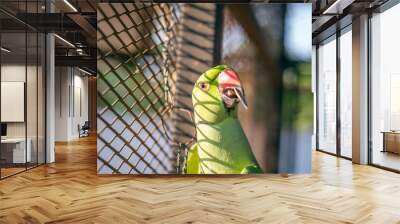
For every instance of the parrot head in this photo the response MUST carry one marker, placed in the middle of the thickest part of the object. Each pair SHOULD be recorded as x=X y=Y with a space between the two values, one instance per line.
x=216 y=95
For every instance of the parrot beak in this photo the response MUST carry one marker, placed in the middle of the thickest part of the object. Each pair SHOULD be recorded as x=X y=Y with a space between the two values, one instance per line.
x=231 y=88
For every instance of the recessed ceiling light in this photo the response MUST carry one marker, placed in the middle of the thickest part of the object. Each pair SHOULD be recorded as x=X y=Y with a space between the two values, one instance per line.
x=84 y=71
x=5 y=50
x=337 y=7
x=70 y=5
x=64 y=40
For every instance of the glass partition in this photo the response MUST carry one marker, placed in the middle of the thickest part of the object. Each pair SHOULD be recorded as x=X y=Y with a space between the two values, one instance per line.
x=22 y=88
x=327 y=96
x=346 y=93
x=13 y=113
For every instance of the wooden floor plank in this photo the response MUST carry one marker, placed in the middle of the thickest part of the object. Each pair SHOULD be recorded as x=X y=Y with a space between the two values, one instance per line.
x=70 y=191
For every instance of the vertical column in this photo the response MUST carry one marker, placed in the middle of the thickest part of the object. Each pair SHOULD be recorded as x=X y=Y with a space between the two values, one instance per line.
x=360 y=90
x=50 y=93
x=50 y=99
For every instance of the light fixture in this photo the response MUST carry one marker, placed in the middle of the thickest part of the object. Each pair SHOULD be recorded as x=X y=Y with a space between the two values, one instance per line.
x=64 y=40
x=70 y=5
x=5 y=50
x=333 y=6
x=337 y=7
x=84 y=71
x=79 y=51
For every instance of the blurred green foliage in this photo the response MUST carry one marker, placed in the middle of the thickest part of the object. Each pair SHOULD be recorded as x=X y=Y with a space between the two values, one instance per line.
x=139 y=91
x=297 y=106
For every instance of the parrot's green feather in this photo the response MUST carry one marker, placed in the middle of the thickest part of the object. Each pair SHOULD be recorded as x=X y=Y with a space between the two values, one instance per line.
x=212 y=73
x=222 y=146
x=251 y=169
x=193 y=160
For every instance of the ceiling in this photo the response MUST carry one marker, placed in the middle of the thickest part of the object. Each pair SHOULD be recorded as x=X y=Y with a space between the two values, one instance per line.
x=74 y=22
x=331 y=15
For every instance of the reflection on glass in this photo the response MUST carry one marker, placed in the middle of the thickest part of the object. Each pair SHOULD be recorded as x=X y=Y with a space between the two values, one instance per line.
x=327 y=97
x=22 y=91
x=13 y=86
x=345 y=94
x=385 y=91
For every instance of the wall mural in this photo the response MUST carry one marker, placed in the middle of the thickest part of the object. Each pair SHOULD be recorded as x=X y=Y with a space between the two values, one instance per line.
x=204 y=88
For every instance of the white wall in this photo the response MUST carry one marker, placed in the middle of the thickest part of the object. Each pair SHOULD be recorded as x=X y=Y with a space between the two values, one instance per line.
x=71 y=94
x=16 y=73
x=12 y=73
x=12 y=101
x=62 y=80
x=81 y=103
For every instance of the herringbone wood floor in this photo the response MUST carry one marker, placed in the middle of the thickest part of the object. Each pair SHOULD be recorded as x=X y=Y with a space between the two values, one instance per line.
x=69 y=191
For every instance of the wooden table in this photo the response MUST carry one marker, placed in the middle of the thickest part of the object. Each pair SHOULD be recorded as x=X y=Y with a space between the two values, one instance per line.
x=13 y=150
x=391 y=141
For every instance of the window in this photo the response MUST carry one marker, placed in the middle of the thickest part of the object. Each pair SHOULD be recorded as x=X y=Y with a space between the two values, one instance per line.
x=385 y=89
x=327 y=96
x=346 y=93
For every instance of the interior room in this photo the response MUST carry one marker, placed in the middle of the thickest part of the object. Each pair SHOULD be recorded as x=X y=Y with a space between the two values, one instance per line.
x=22 y=99
x=32 y=94
x=75 y=74
x=71 y=103
x=335 y=89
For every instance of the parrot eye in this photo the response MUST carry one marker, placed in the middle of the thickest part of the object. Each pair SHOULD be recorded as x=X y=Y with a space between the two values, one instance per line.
x=204 y=86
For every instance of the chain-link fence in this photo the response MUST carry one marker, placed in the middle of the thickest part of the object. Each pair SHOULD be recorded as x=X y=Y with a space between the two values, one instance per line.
x=136 y=63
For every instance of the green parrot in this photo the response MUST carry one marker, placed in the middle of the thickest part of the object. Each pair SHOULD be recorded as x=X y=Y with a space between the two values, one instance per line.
x=221 y=146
